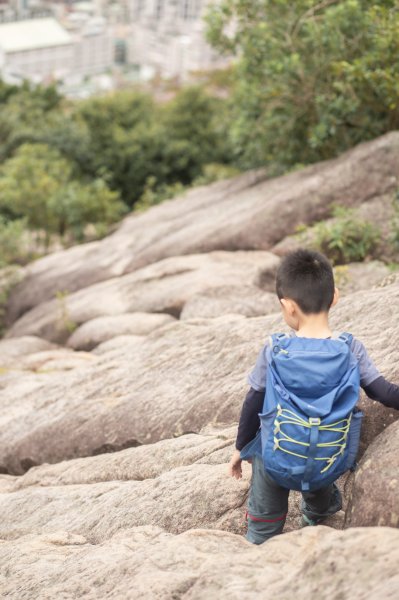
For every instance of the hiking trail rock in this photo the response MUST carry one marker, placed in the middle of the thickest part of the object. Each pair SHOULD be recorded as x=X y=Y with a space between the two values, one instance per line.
x=102 y=329
x=248 y=212
x=146 y=562
x=163 y=287
x=375 y=493
x=178 y=379
x=121 y=382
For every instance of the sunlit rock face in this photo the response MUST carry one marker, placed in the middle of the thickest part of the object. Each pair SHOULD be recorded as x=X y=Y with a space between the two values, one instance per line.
x=122 y=376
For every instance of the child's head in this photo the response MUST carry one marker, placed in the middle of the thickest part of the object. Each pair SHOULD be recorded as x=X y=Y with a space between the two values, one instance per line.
x=305 y=281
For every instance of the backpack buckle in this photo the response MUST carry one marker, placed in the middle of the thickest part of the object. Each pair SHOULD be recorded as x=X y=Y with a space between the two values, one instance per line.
x=314 y=421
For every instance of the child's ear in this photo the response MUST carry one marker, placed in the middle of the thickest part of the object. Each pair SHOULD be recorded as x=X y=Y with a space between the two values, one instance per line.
x=288 y=305
x=336 y=296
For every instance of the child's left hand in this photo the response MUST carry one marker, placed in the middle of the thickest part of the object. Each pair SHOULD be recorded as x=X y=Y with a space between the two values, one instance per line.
x=235 y=469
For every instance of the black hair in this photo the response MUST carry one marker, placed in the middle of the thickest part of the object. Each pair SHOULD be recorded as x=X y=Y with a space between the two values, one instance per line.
x=306 y=277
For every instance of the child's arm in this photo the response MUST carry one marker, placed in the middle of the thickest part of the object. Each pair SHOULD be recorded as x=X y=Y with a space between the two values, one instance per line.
x=371 y=380
x=247 y=428
x=383 y=391
x=252 y=406
x=249 y=420
x=235 y=469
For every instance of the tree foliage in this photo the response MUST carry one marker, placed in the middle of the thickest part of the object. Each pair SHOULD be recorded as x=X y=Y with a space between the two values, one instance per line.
x=132 y=139
x=37 y=184
x=64 y=164
x=312 y=78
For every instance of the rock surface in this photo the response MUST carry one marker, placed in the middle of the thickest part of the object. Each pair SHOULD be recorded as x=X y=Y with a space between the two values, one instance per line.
x=176 y=380
x=163 y=287
x=360 y=276
x=375 y=494
x=240 y=299
x=230 y=215
x=99 y=330
x=146 y=562
x=113 y=462
x=378 y=211
x=178 y=484
x=12 y=350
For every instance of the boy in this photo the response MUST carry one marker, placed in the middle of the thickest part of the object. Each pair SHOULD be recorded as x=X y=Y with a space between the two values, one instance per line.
x=305 y=288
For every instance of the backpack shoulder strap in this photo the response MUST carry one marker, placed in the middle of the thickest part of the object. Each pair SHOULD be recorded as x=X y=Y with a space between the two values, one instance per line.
x=345 y=337
x=273 y=341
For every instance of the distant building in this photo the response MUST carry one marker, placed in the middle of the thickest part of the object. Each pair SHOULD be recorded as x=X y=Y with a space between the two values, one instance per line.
x=41 y=50
x=36 y=49
x=168 y=37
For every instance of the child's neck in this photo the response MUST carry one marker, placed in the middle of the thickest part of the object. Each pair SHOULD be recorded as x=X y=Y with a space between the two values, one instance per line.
x=314 y=326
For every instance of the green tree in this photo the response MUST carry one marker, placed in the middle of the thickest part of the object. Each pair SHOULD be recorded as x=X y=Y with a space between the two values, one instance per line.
x=199 y=122
x=11 y=243
x=312 y=78
x=130 y=139
x=24 y=114
x=28 y=180
x=76 y=204
x=37 y=184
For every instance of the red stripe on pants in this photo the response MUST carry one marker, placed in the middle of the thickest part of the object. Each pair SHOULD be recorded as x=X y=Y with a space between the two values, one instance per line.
x=248 y=516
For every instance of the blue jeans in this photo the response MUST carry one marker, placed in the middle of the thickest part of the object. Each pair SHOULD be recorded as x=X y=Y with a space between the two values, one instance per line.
x=268 y=504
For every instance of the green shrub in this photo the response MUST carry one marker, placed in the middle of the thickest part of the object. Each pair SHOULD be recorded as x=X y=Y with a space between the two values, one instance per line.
x=346 y=239
x=12 y=248
x=215 y=172
x=154 y=194
x=311 y=78
x=37 y=184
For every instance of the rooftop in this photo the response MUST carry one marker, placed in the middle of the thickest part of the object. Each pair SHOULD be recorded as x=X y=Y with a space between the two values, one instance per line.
x=32 y=34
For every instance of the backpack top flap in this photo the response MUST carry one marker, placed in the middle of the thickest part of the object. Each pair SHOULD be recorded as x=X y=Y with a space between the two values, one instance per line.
x=314 y=374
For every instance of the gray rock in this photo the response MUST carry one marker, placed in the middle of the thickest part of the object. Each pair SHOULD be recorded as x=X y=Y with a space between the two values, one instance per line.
x=164 y=484
x=12 y=350
x=177 y=380
x=130 y=343
x=375 y=494
x=94 y=332
x=239 y=299
x=247 y=212
x=148 y=563
x=163 y=287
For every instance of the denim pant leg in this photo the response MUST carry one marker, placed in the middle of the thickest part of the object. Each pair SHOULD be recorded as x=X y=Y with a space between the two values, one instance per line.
x=267 y=505
x=321 y=503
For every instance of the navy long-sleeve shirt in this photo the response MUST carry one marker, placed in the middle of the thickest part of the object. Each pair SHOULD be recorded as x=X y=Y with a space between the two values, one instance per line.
x=380 y=389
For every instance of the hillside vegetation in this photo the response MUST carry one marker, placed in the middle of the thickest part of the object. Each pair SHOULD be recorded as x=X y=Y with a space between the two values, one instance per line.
x=308 y=81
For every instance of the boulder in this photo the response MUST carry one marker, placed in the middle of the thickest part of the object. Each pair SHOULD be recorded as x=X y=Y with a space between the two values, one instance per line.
x=13 y=350
x=375 y=494
x=94 y=332
x=379 y=211
x=180 y=378
x=212 y=446
x=360 y=276
x=175 y=484
x=146 y=562
x=372 y=319
x=175 y=380
x=170 y=483
x=56 y=360
x=248 y=212
x=163 y=287
x=239 y=299
x=130 y=343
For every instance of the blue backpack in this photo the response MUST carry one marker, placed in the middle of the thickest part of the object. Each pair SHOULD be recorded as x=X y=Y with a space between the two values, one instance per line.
x=310 y=427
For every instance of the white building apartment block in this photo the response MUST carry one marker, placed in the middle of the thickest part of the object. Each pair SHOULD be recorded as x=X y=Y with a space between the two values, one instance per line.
x=94 y=48
x=36 y=49
x=168 y=36
x=41 y=50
